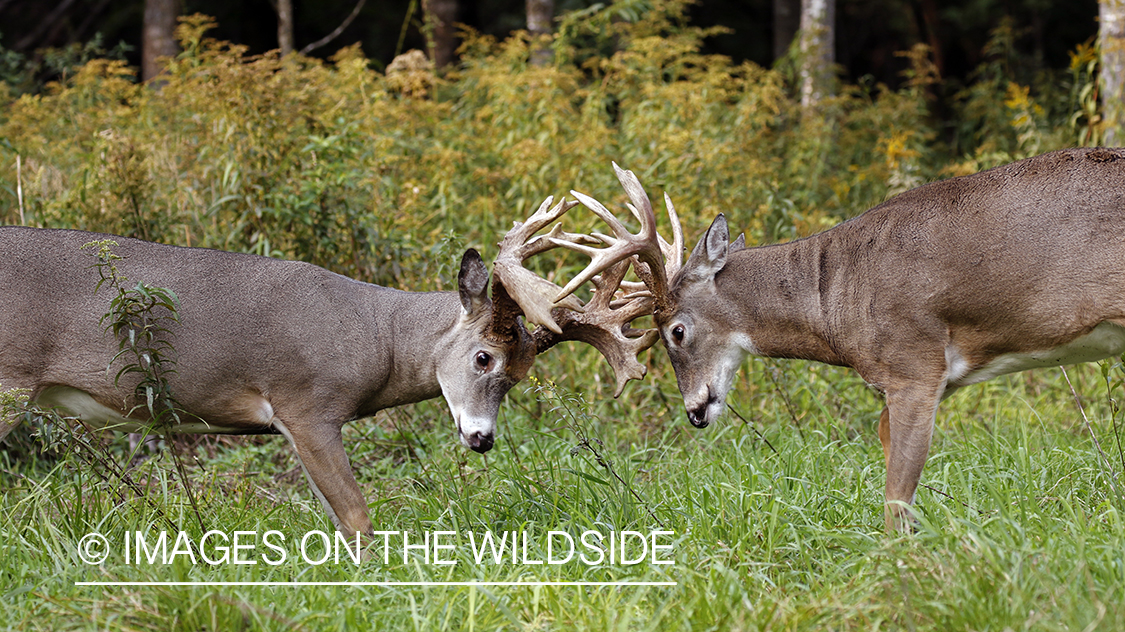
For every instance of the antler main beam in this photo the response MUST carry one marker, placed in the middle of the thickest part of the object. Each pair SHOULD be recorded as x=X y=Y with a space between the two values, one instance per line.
x=603 y=323
x=658 y=261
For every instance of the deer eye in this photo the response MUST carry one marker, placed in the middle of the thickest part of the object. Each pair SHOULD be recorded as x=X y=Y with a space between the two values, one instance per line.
x=483 y=360
x=678 y=333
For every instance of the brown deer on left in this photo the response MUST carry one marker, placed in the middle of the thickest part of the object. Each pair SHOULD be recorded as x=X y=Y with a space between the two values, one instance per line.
x=266 y=346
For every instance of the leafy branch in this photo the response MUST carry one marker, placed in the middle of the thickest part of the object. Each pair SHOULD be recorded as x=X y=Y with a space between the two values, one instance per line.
x=140 y=318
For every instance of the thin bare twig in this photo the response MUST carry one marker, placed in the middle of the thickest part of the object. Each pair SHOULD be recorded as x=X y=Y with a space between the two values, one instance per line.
x=584 y=442
x=1090 y=429
x=962 y=503
x=772 y=373
x=1115 y=410
x=334 y=34
x=754 y=428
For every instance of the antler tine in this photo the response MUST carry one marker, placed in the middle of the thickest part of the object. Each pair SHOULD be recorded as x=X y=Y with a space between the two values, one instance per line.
x=523 y=290
x=541 y=217
x=600 y=258
x=552 y=239
x=651 y=251
x=605 y=325
x=674 y=252
x=518 y=242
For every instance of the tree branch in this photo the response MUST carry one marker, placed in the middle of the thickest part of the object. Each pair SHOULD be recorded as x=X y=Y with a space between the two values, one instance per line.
x=47 y=23
x=334 y=34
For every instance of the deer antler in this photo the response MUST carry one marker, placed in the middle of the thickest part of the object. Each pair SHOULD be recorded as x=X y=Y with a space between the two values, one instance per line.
x=531 y=293
x=657 y=260
x=605 y=325
x=603 y=322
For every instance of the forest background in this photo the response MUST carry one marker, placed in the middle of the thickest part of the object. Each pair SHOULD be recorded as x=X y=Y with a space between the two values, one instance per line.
x=385 y=164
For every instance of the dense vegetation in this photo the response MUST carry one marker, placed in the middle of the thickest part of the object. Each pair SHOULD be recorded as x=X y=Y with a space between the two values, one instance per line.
x=365 y=173
x=386 y=177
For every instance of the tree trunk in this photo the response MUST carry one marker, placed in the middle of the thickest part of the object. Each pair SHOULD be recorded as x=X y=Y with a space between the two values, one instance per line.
x=818 y=45
x=285 y=26
x=540 y=15
x=440 y=16
x=786 y=21
x=1111 y=36
x=931 y=23
x=158 y=39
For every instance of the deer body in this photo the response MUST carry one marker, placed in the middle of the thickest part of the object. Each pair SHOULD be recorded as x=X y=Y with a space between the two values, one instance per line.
x=946 y=285
x=271 y=346
x=329 y=345
x=262 y=346
x=943 y=286
x=978 y=293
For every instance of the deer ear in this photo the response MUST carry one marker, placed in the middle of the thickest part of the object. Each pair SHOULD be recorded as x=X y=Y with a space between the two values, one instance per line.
x=472 y=283
x=710 y=254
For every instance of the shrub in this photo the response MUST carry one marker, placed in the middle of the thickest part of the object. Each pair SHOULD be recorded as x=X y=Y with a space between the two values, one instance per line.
x=372 y=175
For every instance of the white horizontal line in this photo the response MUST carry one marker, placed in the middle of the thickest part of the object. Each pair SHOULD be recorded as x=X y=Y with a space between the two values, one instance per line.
x=379 y=584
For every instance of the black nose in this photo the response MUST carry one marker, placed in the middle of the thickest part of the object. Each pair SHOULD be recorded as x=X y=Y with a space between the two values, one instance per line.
x=698 y=417
x=480 y=442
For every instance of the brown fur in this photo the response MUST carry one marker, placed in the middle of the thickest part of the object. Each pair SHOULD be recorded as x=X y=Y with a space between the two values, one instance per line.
x=1021 y=258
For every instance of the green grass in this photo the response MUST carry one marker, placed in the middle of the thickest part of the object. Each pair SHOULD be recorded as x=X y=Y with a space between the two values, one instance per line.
x=777 y=511
x=1020 y=528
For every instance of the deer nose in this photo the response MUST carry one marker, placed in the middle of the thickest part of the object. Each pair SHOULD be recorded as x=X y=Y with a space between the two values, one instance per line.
x=479 y=442
x=698 y=417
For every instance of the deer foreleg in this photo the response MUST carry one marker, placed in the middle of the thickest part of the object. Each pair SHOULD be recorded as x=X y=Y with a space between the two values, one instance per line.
x=320 y=449
x=906 y=429
x=885 y=435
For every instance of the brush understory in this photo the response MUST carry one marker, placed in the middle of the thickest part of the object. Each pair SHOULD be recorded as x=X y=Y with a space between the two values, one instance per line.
x=776 y=511
x=1021 y=526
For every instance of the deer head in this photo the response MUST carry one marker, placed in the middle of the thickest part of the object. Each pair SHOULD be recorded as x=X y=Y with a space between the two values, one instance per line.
x=491 y=349
x=679 y=296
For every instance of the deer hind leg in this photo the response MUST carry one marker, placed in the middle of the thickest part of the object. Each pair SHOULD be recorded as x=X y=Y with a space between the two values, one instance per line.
x=320 y=449
x=906 y=429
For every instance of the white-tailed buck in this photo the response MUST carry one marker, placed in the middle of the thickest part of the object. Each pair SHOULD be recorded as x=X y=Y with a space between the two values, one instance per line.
x=947 y=285
x=271 y=346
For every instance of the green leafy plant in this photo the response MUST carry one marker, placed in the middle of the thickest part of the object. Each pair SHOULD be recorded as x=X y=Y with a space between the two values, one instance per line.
x=571 y=410
x=139 y=318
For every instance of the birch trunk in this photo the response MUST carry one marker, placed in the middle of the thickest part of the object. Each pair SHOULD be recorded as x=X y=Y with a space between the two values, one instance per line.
x=1111 y=36
x=818 y=43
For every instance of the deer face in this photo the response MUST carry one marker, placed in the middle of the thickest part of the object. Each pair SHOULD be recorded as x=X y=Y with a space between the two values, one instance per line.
x=698 y=330
x=478 y=366
x=695 y=323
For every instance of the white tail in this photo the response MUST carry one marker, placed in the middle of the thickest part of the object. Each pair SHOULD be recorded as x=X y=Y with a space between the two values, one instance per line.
x=947 y=285
x=271 y=346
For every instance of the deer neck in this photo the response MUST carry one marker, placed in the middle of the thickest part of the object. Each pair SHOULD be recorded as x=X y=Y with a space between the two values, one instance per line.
x=410 y=342
x=779 y=299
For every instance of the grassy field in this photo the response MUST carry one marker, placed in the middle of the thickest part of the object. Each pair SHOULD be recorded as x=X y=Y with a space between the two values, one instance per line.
x=776 y=516
x=773 y=516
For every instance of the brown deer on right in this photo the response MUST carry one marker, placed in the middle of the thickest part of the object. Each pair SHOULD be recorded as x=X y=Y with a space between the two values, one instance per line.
x=949 y=284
